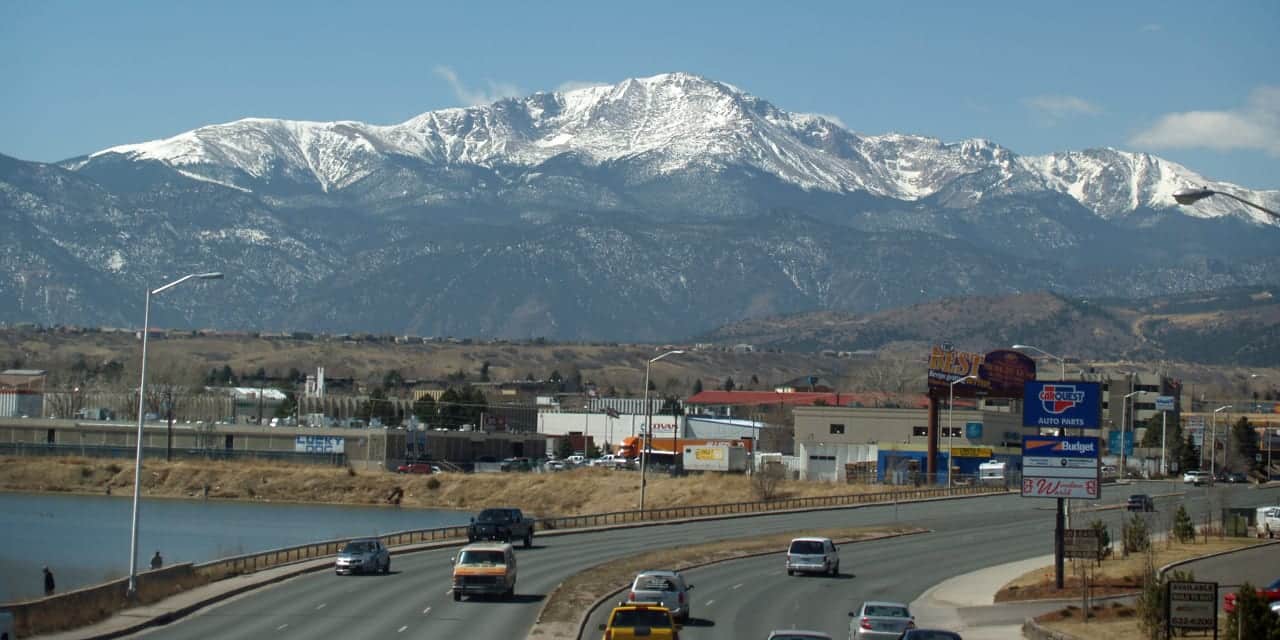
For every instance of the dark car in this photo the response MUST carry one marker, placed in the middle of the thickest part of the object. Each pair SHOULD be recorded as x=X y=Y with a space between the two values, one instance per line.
x=1140 y=502
x=929 y=634
x=505 y=524
x=1236 y=477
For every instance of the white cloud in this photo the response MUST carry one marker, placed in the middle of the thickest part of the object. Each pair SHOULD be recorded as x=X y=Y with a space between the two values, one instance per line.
x=1254 y=126
x=473 y=97
x=1151 y=27
x=1054 y=108
x=573 y=85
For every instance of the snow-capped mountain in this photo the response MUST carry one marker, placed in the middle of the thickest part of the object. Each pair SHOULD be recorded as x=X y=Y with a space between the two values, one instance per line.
x=655 y=208
x=668 y=124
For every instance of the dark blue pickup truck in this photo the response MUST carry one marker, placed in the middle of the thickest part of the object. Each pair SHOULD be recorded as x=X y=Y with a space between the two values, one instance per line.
x=506 y=525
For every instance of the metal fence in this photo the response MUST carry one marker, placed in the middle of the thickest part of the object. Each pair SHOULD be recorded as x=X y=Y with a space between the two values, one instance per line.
x=251 y=562
x=109 y=451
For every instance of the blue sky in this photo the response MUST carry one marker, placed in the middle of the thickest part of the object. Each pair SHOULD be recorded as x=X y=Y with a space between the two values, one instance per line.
x=1197 y=83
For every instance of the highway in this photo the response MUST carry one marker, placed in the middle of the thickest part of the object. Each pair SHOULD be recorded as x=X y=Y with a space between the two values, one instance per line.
x=415 y=601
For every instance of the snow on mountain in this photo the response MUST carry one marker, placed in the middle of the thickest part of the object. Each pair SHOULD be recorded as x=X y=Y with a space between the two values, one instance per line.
x=669 y=123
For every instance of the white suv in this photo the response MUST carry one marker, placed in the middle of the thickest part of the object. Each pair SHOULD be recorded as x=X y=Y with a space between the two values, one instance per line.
x=813 y=555
x=1197 y=477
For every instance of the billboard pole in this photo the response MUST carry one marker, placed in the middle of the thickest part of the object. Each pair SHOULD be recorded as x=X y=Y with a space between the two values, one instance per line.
x=1058 y=526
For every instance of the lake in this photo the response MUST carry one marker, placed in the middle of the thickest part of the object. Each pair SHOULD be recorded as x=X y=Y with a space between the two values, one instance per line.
x=85 y=539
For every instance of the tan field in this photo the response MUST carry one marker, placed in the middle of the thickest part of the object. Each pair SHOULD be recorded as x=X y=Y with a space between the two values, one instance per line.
x=566 y=493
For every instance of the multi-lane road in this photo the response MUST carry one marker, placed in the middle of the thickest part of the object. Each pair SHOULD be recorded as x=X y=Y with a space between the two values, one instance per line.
x=732 y=600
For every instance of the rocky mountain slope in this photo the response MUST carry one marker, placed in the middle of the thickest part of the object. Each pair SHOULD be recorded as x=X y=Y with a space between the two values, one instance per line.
x=650 y=209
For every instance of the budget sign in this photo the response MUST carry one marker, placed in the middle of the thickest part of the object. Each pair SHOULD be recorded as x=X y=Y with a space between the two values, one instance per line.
x=1077 y=405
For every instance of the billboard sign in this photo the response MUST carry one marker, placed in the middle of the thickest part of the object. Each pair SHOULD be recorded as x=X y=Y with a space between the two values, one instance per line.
x=999 y=374
x=1060 y=467
x=1057 y=405
x=1192 y=605
x=319 y=444
x=973 y=430
x=1195 y=429
x=1164 y=403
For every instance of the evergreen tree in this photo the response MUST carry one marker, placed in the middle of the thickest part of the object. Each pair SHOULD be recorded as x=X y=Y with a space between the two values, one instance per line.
x=728 y=384
x=755 y=382
x=1252 y=612
x=1190 y=458
x=393 y=381
x=697 y=386
x=1244 y=439
x=424 y=409
x=484 y=371
x=1183 y=529
x=564 y=448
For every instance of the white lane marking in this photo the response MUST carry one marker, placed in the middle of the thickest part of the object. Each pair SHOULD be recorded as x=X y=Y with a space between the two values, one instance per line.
x=426 y=611
x=403 y=628
x=321 y=606
x=710 y=602
x=736 y=586
x=281 y=627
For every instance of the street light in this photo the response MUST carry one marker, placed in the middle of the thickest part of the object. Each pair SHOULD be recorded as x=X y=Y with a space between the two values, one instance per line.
x=1191 y=196
x=648 y=424
x=950 y=432
x=1213 y=443
x=1124 y=402
x=142 y=396
x=1059 y=359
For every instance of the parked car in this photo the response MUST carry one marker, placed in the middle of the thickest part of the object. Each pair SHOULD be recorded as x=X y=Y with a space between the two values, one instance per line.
x=798 y=634
x=641 y=620
x=930 y=634
x=555 y=465
x=1197 y=477
x=417 y=467
x=1270 y=593
x=877 y=620
x=813 y=555
x=666 y=587
x=576 y=460
x=485 y=568
x=363 y=555
x=1236 y=477
x=1140 y=502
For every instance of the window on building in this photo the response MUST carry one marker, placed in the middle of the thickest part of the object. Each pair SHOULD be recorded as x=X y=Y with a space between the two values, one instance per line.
x=919 y=432
x=953 y=432
x=837 y=429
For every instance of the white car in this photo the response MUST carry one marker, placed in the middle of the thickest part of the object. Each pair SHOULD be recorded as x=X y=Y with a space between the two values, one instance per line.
x=813 y=555
x=1197 y=477
x=576 y=460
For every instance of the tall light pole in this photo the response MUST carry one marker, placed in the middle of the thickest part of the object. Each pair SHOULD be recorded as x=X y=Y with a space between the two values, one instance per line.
x=1213 y=443
x=1061 y=360
x=1124 y=403
x=1192 y=196
x=950 y=432
x=142 y=398
x=648 y=424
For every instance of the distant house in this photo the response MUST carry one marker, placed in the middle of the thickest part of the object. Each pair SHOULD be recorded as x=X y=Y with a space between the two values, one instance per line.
x=743 y=348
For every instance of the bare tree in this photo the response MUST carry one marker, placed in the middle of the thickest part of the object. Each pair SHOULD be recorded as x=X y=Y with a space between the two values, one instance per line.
x=766 y=481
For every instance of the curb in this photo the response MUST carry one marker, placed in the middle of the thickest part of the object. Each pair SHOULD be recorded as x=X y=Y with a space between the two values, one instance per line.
x=582 y=623
x=1032 y=629
x=1168 y=567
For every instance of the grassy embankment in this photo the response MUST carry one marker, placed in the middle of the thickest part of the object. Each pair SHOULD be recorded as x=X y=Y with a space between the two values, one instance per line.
x=567 y=493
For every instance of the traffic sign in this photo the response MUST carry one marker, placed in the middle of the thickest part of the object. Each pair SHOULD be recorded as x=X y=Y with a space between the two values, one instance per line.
x=1081 y=543
x=1164 y=403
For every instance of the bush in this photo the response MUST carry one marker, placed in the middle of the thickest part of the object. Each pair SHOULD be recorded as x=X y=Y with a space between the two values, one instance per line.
x=766 y=480
x=1104 y=538
x=433 y=483
x=1151 y=600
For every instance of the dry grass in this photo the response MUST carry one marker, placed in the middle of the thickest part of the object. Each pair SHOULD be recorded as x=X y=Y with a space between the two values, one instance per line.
x=576 y=492
x=1116 y=574
x=566 y=604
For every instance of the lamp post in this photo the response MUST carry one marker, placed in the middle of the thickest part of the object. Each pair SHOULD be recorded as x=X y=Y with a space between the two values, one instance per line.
x=1061 y=360
x=1124 y=403
x=648 y=424
x=1213 y=443
x=142 y=398
x=1191 y=196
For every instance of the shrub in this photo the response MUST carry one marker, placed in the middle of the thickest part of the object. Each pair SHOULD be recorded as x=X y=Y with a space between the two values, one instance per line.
x=765 y=481
x=1253 y=611
x=433 y=483
x=1136 y=535
x=1104 y=538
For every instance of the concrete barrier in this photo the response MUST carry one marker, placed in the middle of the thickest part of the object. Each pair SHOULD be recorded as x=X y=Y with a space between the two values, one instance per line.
x=73 y=609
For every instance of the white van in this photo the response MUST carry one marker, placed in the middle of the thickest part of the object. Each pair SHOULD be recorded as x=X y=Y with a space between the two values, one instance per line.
x=1268 y=522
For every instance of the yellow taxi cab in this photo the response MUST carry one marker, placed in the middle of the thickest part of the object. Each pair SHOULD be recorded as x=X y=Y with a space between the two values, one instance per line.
x=646 y=620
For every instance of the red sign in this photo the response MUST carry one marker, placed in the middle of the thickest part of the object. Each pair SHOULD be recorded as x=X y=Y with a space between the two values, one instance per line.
x=1000 y=374
x=1060 y=488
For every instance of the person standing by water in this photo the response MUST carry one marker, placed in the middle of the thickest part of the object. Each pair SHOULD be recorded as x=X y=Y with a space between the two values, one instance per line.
x=157 y=561
x=48 y=581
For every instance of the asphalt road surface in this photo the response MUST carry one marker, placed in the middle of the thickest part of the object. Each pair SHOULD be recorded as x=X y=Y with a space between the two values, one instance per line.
x=415 y=601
